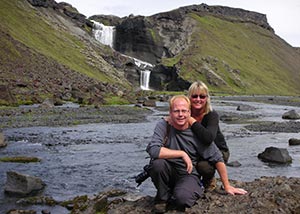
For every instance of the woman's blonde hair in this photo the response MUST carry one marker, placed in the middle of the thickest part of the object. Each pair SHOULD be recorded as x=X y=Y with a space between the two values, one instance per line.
x=200 y=87
x=172 y=99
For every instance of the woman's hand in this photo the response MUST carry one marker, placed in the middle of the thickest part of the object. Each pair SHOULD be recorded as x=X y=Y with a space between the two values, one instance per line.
x=235 y=191
x=191 y=120
x=168 y=120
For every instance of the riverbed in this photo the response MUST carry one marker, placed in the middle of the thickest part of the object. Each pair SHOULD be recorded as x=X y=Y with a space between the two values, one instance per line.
x=91 y=158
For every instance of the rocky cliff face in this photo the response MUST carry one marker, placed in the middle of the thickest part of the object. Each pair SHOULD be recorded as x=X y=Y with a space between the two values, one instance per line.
x=168 y=34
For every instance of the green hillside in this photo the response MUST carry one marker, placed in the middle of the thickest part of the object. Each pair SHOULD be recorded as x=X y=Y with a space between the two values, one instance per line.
x=240 y=58
x=42 y=45
x=33 y=29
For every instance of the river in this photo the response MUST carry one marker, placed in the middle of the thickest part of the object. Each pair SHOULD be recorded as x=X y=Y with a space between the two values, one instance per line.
x=91 y=158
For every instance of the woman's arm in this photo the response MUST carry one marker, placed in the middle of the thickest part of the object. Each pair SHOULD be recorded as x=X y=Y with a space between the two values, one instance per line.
x=221 y=168
x=206 y=131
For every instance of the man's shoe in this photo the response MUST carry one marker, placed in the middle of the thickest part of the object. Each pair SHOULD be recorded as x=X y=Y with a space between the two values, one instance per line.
x=211 y=186
x=160 y=207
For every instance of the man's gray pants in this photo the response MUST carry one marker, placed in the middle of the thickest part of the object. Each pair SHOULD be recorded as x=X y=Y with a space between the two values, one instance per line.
x=185 y=190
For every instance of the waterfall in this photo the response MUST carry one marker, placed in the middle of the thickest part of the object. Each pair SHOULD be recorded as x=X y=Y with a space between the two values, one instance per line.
x=104 y=34
x=144 y=79
x=145 y=73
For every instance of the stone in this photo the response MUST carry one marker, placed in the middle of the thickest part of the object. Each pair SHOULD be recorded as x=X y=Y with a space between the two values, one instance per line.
x=291 y=115
x=234 y=164
x=22 y=185
x=150 y=103
x=275 y=155
x=245 y=108
x=294 y=142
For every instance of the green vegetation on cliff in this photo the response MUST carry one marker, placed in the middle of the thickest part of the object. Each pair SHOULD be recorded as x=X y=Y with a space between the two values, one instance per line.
x=45 y=53
x=29 y=26
x=241 y=58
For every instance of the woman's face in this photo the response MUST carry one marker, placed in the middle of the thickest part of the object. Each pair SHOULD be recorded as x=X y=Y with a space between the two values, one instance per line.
x=198 y=99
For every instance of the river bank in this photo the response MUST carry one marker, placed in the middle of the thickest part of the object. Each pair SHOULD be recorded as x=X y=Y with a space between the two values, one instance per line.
x=29 y=116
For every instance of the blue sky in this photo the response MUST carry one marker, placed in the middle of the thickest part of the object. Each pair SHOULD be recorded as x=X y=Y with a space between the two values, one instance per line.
x=283 y=16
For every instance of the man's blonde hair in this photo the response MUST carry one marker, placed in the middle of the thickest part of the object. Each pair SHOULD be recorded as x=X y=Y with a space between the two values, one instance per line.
x=172 y=100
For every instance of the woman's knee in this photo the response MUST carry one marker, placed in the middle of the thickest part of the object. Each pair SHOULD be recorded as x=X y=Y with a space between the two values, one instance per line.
x=204 y=168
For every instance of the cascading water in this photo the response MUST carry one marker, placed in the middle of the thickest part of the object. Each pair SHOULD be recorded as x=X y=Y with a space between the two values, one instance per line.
x=145 y=73
x=105 y=35
x=144 y=79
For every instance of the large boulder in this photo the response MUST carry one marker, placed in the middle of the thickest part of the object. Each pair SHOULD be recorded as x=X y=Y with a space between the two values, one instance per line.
x=22 y=185
x=275 y=155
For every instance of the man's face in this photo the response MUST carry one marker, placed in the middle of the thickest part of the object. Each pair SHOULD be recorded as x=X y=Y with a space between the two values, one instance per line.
x=180 y=113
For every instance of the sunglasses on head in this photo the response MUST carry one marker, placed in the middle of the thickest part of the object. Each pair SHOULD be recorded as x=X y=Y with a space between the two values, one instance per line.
x=201 y=96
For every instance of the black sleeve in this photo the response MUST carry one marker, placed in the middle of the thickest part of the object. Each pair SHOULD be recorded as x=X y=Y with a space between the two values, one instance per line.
x=206 y=131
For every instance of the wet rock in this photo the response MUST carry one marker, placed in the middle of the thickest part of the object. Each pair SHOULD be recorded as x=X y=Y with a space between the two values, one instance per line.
x=22 y=185
x=150 y=103
x=229 y=118
x=234 y=164
x=2 y=140
x=291 y=115
x=275 y=155
x=245 y=108
x=294 y=142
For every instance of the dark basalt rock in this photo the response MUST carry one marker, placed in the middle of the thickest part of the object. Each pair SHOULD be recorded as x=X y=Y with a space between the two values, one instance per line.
x=275 y=155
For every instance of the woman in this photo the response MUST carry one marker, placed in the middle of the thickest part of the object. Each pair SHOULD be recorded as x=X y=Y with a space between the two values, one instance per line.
x=204 y=122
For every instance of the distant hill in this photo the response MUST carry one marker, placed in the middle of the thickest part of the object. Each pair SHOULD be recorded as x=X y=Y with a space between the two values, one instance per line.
x=48 y=51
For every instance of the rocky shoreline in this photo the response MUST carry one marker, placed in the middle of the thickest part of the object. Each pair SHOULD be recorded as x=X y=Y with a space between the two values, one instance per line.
x=265 y=195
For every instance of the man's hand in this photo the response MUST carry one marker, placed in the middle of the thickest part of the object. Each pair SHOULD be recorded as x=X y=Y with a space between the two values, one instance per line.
x=188 y=162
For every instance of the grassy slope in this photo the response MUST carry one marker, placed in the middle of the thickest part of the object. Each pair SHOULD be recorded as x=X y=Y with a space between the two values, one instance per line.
x=266 y=64
x=30 y=28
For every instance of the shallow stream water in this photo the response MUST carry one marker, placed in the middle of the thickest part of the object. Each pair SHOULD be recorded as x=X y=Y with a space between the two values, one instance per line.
x=91 y=158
